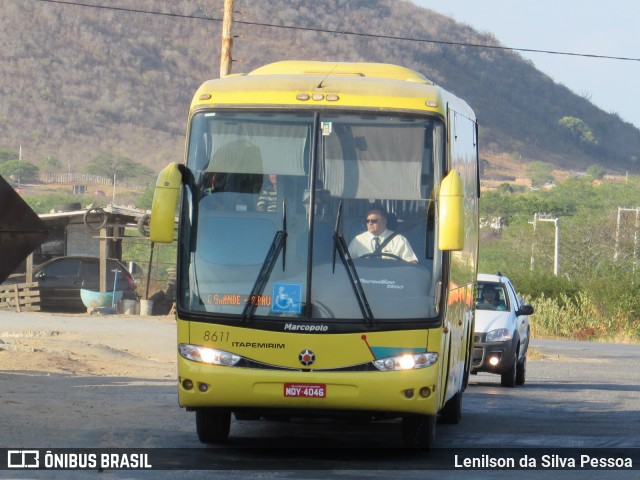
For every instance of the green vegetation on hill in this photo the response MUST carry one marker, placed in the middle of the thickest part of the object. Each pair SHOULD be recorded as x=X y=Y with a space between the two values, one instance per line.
x=597 y=291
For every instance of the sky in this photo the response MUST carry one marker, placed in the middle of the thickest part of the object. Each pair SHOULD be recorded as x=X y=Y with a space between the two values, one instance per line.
x=609 y=28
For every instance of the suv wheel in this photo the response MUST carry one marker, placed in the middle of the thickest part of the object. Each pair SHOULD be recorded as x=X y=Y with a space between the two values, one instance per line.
x=508 y=377
x=521 y=371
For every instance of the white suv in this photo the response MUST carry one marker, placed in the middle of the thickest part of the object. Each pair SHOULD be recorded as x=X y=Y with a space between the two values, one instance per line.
x=501 y=335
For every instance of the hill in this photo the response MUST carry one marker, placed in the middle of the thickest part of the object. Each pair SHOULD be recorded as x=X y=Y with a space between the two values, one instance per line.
x=80 y=81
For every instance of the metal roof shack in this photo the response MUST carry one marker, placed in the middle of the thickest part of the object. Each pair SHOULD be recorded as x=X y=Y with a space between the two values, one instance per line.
x=94 y=231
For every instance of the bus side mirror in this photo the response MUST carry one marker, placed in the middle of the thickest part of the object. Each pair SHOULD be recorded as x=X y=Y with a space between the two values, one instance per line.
x=451 y=213
x=165 y=201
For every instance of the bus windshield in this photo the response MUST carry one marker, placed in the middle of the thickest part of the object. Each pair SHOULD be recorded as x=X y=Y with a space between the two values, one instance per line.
x=311 y=216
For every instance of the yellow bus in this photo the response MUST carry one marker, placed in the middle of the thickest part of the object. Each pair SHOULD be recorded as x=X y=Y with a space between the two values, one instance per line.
x=327 y=247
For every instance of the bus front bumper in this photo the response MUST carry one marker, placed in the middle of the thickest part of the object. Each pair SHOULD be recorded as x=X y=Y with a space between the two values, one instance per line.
x=403 y=392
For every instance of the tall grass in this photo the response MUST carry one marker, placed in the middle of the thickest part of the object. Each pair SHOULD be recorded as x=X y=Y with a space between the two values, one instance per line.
x=580 y=318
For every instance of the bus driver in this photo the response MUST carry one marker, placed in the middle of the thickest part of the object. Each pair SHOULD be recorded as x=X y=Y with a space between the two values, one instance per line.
x=378 y=239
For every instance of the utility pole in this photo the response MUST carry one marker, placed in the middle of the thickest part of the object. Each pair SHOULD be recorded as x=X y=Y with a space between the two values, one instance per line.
x=113 y=198
x=556 y=250
x=20 y=168
x=533 y=241
x=227 y=39
x=635 y=210
x=556 y=257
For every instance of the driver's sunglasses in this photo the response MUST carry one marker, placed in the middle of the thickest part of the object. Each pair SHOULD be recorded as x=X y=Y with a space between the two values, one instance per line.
x=372 y=220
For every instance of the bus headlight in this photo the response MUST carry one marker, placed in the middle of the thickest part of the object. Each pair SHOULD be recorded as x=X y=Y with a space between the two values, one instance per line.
x=406 y=362
x=208 y=355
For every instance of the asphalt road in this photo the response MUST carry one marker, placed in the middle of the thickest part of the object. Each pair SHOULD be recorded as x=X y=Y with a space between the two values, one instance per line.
x=579 y=397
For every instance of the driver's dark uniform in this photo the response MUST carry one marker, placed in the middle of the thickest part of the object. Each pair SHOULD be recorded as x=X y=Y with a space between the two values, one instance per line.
x=364 y=244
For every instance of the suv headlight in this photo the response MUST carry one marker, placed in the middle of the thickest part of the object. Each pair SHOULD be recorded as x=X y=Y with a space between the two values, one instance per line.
x=208 y=355
x=406 y=362
x=499 y=335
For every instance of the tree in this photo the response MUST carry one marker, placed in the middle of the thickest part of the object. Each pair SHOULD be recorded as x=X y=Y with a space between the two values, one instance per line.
x=504 y=188
x=596 y=171
x=145 y=200
x=579 y=130
x=6 y=155
x=107 y=164
x=540 y=172
x=50 y=164
x=19 y=171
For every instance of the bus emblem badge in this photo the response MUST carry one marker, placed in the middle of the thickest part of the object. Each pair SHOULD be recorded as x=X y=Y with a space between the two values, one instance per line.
x=307 y=357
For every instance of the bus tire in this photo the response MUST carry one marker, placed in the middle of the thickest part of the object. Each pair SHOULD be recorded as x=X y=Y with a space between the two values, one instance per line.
x=467 y=363
x=451 y=413
x=213 y=425
x=419 y=431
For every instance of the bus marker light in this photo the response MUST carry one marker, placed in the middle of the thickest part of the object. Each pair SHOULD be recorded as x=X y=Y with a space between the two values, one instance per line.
x=318 y=96
x=302 y=97
x=332 y=97
x=425 y=392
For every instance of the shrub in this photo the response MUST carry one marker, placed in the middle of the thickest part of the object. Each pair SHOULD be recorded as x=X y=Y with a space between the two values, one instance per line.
x=580 y=319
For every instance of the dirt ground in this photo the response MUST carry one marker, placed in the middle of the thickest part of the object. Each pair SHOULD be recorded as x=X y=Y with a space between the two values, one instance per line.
x=88 y=345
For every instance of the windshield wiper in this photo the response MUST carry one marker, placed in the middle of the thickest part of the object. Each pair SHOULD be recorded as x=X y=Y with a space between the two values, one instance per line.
x=340 y=246
x=279 y=244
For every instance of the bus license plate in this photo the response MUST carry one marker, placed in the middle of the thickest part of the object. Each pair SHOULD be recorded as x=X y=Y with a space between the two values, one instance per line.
x=305 y=390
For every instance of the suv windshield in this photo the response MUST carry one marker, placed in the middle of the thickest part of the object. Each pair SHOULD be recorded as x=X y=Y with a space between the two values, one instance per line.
x=492 y=296
x=311 y=216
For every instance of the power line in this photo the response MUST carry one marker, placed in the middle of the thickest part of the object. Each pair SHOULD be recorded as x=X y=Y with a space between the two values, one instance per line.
x=207 y=17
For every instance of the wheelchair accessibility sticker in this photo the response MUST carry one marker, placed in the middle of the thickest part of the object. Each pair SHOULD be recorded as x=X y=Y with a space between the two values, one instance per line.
x=287 y=298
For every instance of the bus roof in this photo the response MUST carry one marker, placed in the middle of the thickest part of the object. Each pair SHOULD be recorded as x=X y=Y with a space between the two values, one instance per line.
x=302 y=84
x=359 y=69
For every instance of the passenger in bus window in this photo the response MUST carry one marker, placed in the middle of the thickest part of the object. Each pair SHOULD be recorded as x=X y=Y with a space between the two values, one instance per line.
x=268 y=199
x=378 y=240
x=212 y=182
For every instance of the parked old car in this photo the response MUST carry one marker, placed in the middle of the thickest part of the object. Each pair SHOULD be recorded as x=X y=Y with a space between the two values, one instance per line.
x=60 y=280
x=502 y=331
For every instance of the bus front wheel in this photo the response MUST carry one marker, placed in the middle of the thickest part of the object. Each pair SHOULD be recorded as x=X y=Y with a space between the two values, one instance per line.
x=452 y=411
x=419 y=431
x=213 y=425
